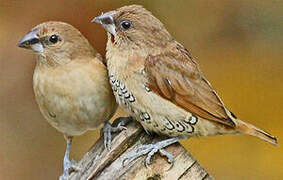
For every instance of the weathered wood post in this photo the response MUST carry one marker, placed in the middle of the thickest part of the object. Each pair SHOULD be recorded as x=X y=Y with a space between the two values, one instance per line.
x=99 y=163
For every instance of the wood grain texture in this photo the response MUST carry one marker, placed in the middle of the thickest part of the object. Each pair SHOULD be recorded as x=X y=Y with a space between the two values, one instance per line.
x=100 y=164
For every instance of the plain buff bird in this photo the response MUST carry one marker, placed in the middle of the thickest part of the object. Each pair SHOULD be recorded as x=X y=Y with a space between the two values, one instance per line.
x=157 y=81
x=70 y=83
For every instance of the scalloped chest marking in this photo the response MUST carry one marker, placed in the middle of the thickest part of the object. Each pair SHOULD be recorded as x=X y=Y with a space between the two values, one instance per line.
x=126 y=98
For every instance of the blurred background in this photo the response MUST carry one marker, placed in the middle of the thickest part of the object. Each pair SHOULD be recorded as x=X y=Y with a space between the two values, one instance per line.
x=238 y=45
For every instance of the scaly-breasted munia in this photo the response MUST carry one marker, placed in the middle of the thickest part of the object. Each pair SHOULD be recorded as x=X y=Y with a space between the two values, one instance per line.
x=70 y=83
x=157 y=81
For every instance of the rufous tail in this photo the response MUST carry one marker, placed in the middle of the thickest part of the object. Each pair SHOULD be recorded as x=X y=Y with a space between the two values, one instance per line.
x=250 y=129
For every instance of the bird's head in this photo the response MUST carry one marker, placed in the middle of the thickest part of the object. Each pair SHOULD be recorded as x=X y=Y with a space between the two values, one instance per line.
x=133 y=27
x=56 y=41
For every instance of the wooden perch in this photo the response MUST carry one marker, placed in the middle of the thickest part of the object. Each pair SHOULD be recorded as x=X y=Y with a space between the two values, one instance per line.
x=99 y=163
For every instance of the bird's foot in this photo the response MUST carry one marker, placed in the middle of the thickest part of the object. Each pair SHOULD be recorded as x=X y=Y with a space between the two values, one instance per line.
x=69 y=167
x=151 y=149
x=108 y=129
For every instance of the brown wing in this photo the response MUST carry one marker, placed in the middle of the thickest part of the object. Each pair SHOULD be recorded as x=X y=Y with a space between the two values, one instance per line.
x=174 y=75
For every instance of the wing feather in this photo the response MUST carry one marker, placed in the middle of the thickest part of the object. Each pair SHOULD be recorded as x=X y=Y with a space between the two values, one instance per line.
x=175 y=76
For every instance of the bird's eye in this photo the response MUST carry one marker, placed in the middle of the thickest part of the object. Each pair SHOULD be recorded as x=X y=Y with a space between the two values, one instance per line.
x=53 y=39
x=125 y=25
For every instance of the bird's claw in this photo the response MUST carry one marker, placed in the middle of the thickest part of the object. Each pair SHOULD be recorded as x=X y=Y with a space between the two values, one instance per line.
x=169 y=156
x=69 y=167
x=150 y=150
x=107 y=129
x=107 y=133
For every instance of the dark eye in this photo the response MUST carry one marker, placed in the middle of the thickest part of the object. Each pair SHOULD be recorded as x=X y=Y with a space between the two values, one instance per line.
x=126 y=24
x=53 y=39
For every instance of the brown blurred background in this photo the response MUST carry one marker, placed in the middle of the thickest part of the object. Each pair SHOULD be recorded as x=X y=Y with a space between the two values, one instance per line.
x=238 y=45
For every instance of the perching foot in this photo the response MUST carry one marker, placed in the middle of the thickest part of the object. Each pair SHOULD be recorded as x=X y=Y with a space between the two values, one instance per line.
x=68 y=166
x=151 y=149
x=108 y=129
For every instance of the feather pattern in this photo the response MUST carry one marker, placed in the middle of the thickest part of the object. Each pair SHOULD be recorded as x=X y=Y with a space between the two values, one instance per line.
x=174 y=75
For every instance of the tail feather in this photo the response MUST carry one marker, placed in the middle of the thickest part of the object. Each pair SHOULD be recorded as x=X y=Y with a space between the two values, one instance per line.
x=254 y=131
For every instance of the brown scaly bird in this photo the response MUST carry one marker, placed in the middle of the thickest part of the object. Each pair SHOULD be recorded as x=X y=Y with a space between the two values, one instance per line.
x=70 y=83
x=156 y=80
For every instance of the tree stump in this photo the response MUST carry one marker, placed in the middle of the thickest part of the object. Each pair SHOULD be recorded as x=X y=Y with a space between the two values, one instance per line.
x=100 y=164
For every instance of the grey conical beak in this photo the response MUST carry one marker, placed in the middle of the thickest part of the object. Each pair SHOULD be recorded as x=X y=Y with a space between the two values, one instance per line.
x=107 y=21
x=104 y=19
x=29 y=39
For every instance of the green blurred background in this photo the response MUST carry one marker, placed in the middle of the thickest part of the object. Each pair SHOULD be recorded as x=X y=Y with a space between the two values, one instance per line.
x=238 y=45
